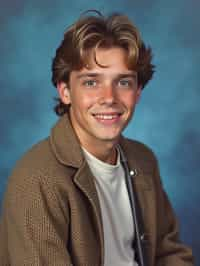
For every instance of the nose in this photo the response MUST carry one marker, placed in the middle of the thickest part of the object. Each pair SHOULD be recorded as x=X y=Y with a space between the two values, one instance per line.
x=108 y=94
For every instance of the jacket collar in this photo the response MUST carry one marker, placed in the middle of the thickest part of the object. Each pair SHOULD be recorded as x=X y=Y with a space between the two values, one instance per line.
x=65 y=143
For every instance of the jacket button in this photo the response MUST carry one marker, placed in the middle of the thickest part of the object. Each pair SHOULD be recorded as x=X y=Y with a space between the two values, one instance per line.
x=144 y=238
x=133 y=172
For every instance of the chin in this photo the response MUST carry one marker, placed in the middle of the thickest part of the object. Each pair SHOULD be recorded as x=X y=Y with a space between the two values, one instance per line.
x=109 y=137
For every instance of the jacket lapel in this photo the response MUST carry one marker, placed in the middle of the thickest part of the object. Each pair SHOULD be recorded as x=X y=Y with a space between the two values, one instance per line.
x=85 y=181
x=67 y=150
x=142 y=181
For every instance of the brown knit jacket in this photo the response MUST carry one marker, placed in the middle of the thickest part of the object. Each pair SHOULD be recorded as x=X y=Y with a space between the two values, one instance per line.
x=51 y=211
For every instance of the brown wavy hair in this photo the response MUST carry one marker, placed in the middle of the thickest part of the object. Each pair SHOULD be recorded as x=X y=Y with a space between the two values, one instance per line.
x=88 y=34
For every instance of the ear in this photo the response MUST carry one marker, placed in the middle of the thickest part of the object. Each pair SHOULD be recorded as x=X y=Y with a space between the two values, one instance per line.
x=138 y=93
x=64 y=92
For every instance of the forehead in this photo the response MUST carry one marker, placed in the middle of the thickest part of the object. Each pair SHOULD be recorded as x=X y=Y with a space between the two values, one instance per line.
x=107 y=57
x=105 y=61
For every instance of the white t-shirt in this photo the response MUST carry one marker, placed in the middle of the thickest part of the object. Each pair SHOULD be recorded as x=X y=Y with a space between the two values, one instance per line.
x=116 y=211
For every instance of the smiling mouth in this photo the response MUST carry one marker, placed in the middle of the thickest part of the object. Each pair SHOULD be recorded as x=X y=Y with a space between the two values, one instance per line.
x=107 y=119
x=107 y=116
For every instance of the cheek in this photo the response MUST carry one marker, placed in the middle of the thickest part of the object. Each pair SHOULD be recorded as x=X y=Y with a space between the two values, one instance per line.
x=129 y=99
x=82 y=101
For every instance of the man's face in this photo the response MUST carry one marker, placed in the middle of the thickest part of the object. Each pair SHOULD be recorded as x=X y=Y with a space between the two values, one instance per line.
x=102 y=98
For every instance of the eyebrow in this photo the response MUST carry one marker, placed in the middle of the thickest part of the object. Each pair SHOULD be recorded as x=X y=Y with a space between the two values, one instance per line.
x=94 y=74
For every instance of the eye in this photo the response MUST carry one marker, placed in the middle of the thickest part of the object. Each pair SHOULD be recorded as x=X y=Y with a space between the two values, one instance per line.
x=125 y=83
x=90 y=83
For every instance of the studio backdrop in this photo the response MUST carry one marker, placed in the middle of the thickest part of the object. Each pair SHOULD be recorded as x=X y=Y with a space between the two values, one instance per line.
x=167 y=117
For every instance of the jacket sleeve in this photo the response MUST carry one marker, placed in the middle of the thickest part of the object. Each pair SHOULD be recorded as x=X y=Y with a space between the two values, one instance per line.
x=34 y=230
x=169 y=251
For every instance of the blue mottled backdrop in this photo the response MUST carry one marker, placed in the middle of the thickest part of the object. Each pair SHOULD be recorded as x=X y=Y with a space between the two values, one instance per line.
x=167 y=118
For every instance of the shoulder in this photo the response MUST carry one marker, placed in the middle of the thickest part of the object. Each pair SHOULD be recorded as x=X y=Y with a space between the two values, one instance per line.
x=32 y=171
x=35 y=159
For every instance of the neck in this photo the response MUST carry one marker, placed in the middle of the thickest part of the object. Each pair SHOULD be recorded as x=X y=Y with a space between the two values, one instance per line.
x=104 y=150
x=106 y=153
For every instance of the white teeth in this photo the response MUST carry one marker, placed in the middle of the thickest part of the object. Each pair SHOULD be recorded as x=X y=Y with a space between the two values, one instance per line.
x=106 y=117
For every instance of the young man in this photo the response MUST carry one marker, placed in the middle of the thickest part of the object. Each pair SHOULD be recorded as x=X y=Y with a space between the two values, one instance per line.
x=67 y=201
